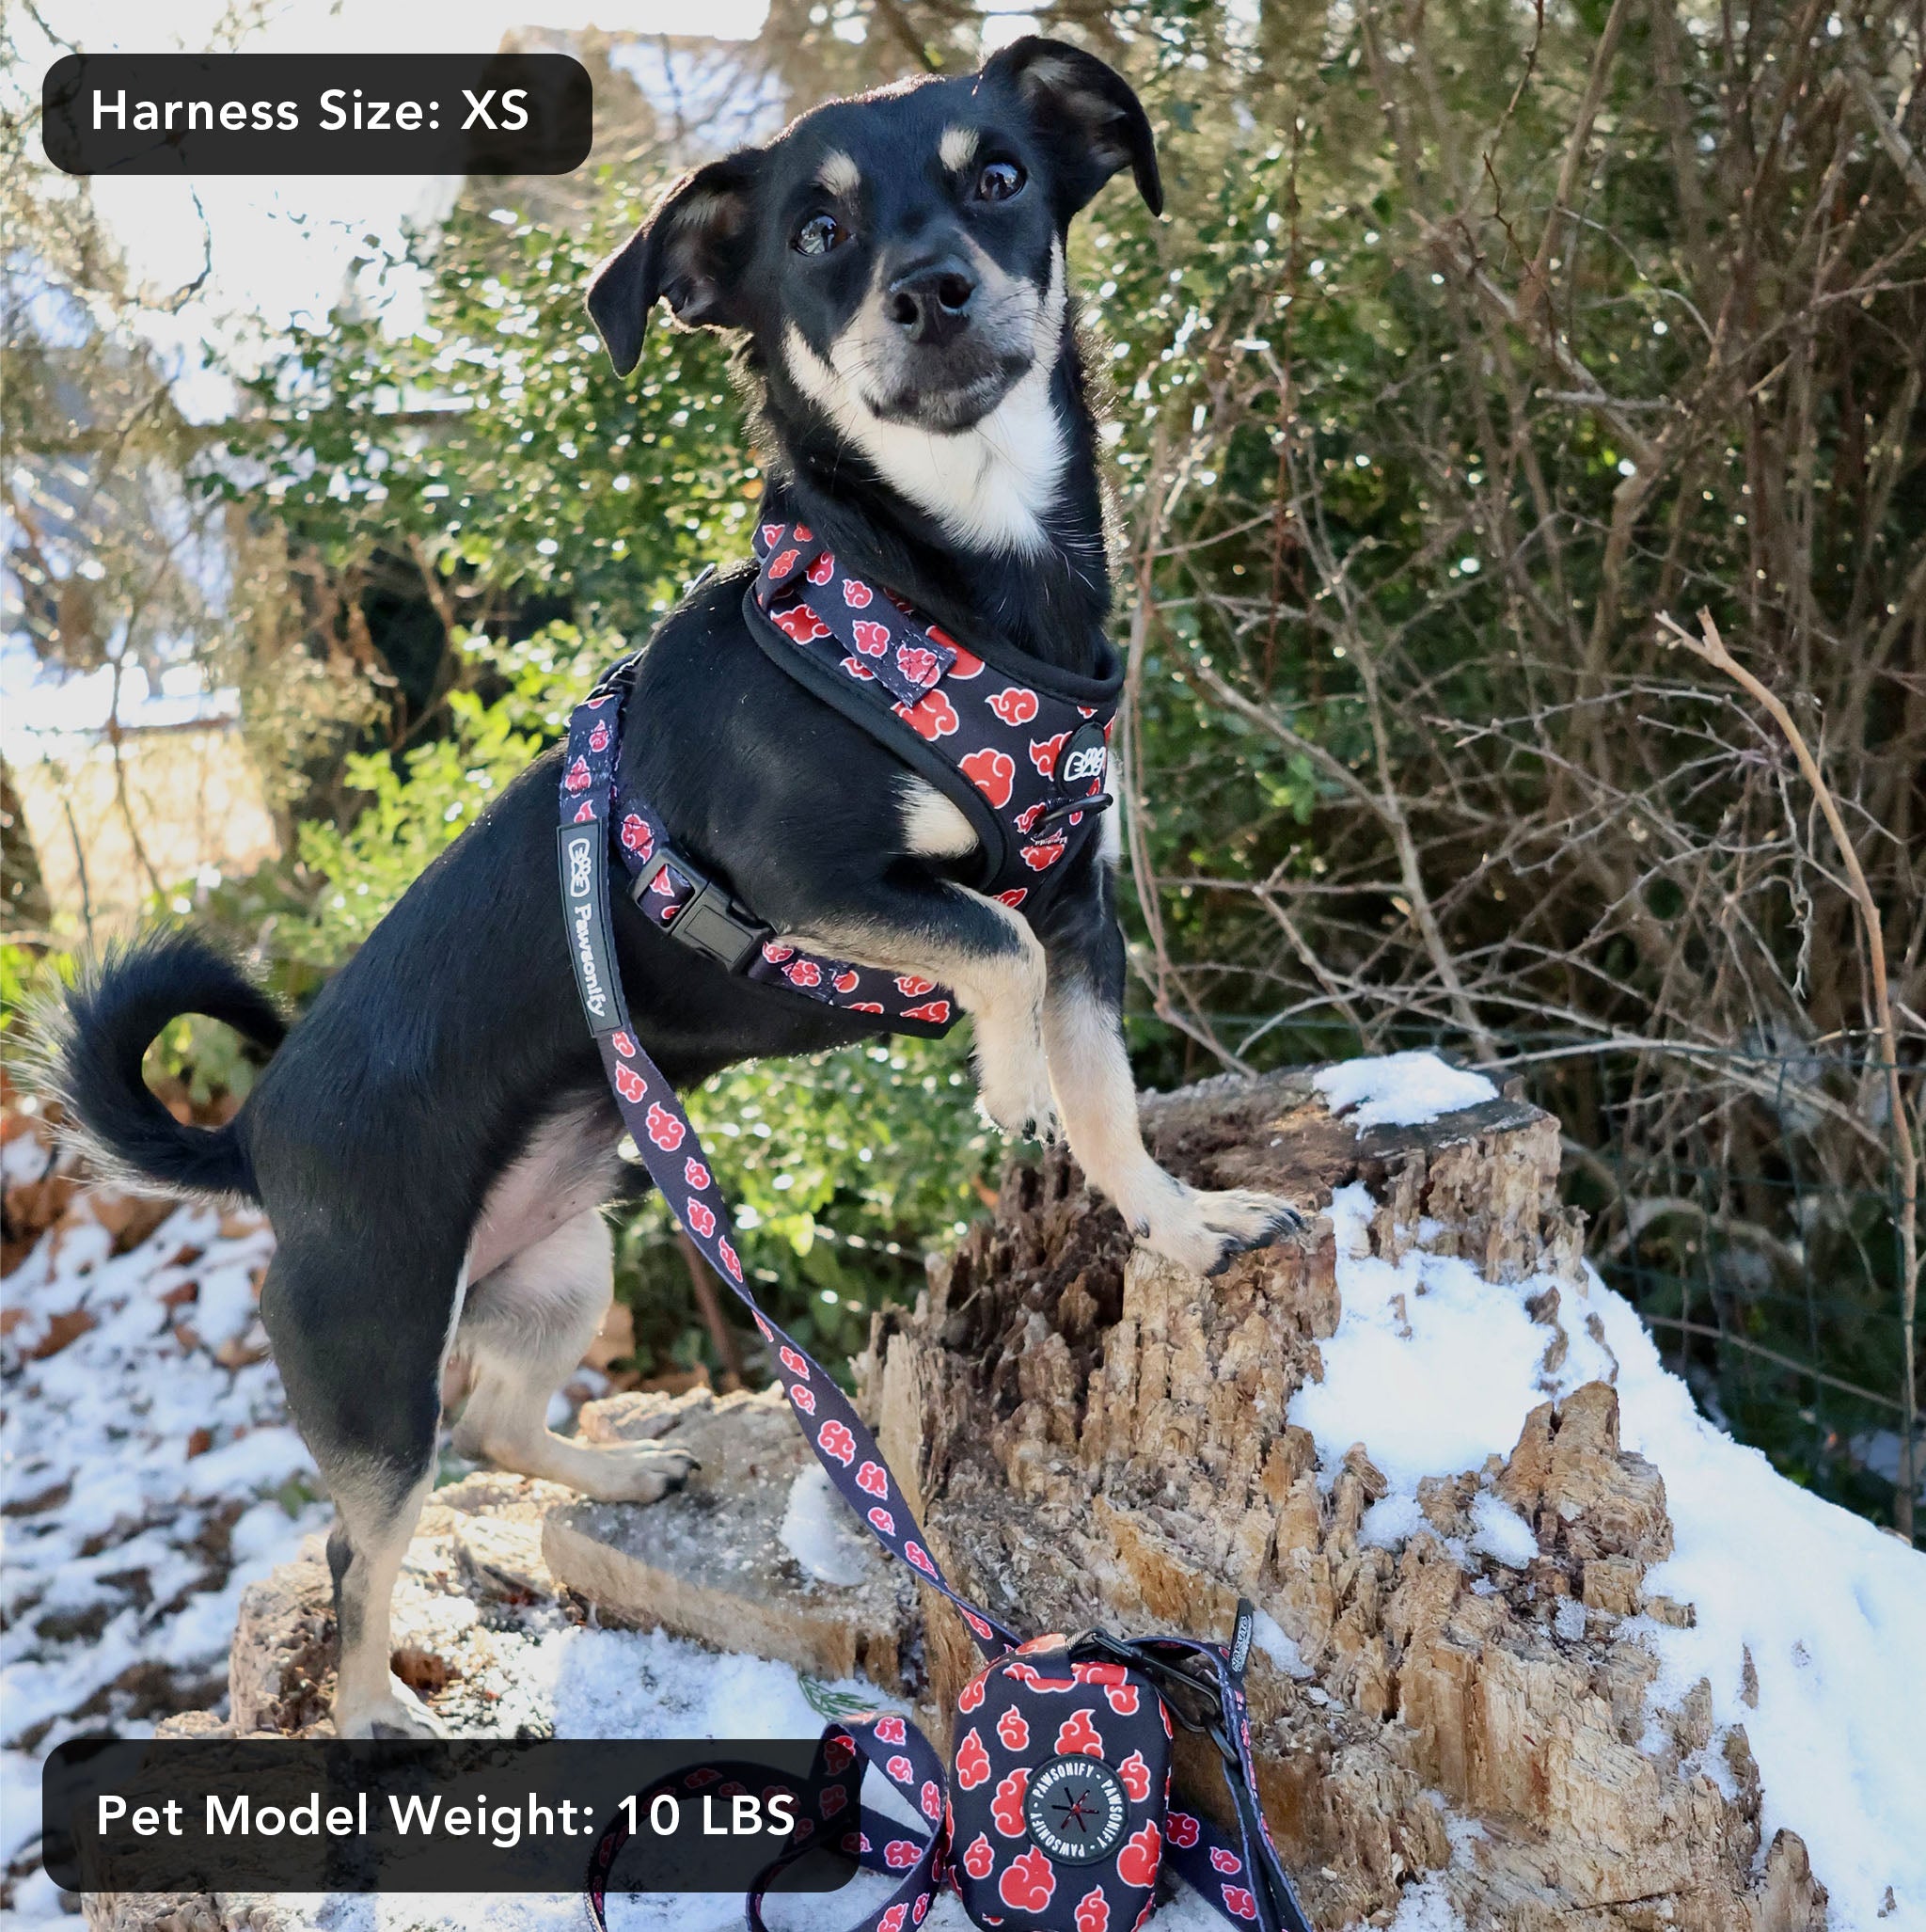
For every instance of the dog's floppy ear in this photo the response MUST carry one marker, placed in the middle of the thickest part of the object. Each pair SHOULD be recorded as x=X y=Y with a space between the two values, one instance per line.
x=690 y=250
x=1101 y=123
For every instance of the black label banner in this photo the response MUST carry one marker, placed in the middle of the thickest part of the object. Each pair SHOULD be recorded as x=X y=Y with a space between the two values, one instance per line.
x=317 y=114
x=485 y=1814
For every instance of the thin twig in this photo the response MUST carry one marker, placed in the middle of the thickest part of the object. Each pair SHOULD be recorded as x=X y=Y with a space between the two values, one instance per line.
x=1710 y=647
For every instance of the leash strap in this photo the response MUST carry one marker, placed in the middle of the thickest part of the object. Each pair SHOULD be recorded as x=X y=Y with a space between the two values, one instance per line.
x=843 y=1444
x=675 y=1160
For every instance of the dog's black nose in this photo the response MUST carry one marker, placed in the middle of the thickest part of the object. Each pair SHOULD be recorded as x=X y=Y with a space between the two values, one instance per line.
x=930 y=303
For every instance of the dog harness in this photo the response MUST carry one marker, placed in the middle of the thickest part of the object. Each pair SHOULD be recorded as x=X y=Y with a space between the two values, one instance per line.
x=1023 y=753
x=1055 y=1815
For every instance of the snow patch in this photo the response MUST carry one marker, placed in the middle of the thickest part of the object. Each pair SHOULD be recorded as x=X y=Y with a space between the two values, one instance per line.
x=1399 y=1090
x=1435 y=1368
x=819 y=1531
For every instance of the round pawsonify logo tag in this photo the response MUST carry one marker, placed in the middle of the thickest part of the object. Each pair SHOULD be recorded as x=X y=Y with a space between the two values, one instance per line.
x=1080 y=764
x=1075 y=1809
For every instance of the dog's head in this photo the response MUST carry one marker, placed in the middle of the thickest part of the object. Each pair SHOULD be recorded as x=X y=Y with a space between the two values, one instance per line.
x=899 y=258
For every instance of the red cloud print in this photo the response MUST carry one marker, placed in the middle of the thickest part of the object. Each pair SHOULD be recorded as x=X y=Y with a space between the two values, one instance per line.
x=931 y=1799
x=935 y=1011
x=775 y=954
x=972 y=1762
x=847 y=981
x=1041 y=858
x=796 y=1364
x=1006 y=1808
x=1014 y=896
x=1226 y=1861
x=801 y=625
x=700 y=1218
x=891 y=1921
x=856 y=594
x=933 y=716
x=1142 y=1854
x=1028 y=1882
x=891 y=1730
x=1078 y=1733
x=900 y=1768
x=967 y=664
x=883 y=1521
x=1012 y=1729
x=1014 y=704
x=920 y=1557
x=901 y=1853
x=730 y=1260
x=918 y=665
x=873 y=1480
x=578 y=779
x=913 y=987
x=980 y=1859
x=598 y=738
x=855 y=667
x=1134 y=1775
x=835 y=1439
x=839 y=1753
x=993 y=773
x=1043 y=752
x=804 y=1399
x=823 y=569
x=665 y=1130
x=694 y=1172
x=629 y=1084
x=1235 y=1899
x=636 y=835
x=1093 y=1911
x=783 y=563
x=970 y=1697
x=803 y=973
x=872 y=640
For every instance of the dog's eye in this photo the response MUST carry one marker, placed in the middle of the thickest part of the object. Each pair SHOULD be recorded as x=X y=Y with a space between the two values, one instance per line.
x=999 y=181
x=819 y=234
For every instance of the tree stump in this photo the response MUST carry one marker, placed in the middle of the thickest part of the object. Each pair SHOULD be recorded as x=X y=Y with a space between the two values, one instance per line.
x=1092 y=1436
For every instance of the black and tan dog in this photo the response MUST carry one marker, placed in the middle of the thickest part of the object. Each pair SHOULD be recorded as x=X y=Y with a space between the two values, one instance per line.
x=434 y=1142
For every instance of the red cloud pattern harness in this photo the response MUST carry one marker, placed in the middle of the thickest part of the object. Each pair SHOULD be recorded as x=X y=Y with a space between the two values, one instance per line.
x=1021 y=750
x=1046 y=1710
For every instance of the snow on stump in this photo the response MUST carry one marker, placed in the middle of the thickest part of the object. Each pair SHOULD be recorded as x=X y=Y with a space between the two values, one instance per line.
x=756 y=1553
x=1480 y=1686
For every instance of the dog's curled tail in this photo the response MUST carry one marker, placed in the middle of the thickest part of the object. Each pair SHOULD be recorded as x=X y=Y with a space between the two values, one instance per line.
x=95 y=1049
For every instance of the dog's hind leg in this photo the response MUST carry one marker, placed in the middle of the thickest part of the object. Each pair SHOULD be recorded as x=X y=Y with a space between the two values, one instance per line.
x=361 y=1359
x=523 y=1330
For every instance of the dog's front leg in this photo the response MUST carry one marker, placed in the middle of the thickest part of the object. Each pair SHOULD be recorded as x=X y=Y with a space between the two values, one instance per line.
x=1096 y=1095
x=987 y=957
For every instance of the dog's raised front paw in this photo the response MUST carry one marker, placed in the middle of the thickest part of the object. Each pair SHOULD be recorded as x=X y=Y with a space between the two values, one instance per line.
x=1204 y=1232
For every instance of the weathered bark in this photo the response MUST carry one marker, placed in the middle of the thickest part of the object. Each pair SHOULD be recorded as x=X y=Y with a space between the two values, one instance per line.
x=1094 y=1435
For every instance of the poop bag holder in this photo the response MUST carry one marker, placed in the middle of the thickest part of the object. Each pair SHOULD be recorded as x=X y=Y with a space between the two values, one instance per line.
x=1055 y=1815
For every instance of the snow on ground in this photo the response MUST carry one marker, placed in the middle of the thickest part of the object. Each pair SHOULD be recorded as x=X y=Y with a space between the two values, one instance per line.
x=1435 y=1368
x=147 y=1469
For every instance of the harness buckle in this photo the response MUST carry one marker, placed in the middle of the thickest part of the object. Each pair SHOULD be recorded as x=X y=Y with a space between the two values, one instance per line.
x=711 y=923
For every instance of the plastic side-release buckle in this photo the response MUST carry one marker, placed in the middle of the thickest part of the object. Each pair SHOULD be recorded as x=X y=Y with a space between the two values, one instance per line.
x=711 y=922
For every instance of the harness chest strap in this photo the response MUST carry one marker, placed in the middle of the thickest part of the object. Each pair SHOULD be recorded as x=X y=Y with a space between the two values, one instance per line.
x=843 y=1444
x=1023 y=754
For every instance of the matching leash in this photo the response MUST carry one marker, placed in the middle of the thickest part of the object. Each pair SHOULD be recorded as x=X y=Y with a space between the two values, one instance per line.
x=1199 y=1683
